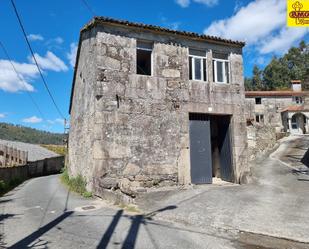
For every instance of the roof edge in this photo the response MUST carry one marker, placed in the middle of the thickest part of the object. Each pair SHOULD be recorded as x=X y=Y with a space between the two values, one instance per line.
x=102 y=19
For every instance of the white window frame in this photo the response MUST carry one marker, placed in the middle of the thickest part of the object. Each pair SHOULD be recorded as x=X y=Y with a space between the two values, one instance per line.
x=202 y=67
x=223 y=71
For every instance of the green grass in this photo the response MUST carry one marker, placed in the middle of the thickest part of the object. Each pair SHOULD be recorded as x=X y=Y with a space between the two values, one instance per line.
x=76 y=184
x=59 y=149
x=7 y=186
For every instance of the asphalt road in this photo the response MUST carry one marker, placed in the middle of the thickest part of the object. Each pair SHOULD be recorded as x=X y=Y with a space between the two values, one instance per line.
x=275 y=204
x=42 y=213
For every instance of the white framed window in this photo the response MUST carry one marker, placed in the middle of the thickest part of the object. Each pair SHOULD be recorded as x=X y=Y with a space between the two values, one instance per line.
x=197 y=65
x=298 y=100
x=144 y=58
x=221 y=68
x=259 y=118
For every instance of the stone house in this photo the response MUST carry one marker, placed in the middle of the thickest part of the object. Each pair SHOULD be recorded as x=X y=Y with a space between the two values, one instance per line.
x=286 y=111
x=152 y=106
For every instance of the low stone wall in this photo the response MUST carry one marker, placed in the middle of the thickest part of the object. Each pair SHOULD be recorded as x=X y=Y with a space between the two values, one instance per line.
x=260 y=140
x=33 y=169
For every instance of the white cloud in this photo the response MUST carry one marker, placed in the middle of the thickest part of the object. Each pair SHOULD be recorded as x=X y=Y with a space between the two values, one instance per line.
x=50 y=62
x=27 y=72
x=252 y=22
x=55 y=121
x=35 y=37
x=283 y=41
x=2 y=115
x=72 y=54
x=261 y=24
x=186 y=3
x=58 y=40
x=33 y=120
x=183 y=3
x=10 y=82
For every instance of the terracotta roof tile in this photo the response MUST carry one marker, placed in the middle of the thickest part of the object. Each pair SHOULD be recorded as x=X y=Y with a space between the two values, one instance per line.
x=100 y=20
x=273 y=93
x=295 y=108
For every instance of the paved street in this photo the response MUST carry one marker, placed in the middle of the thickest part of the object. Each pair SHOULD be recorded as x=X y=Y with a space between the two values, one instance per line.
x=274 y=204
x=41 y=213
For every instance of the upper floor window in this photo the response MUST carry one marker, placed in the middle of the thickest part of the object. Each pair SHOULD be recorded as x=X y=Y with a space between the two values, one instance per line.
x=259 y=118
x=221 y=68
x=298 y=100
x=144 y=58
x=197 y=65
x=258 y=101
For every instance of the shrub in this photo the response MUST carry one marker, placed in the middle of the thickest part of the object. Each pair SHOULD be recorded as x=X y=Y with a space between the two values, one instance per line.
x=76 y=184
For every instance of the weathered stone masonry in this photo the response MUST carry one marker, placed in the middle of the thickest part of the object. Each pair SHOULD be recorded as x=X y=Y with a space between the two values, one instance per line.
x=131 y=131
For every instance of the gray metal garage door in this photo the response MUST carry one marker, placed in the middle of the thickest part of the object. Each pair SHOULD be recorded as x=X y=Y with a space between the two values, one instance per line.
x=200 y=149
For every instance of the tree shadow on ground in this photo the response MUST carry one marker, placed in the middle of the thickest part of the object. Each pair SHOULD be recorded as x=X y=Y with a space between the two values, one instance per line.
x=136 y=222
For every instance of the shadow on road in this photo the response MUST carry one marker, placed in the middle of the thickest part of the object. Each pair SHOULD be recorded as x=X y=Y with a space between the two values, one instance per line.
x=25 y=242
x=136 y=222
x=305 y=159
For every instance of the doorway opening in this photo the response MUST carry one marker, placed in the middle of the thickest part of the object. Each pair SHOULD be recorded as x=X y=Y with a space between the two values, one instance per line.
x=210 y=148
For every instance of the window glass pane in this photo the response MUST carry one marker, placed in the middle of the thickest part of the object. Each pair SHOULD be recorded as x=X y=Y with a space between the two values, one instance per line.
x=197 y=69
x=219 y=71
x=190 y=68
x=204 y=70
x=143 y=62
x=227 y=72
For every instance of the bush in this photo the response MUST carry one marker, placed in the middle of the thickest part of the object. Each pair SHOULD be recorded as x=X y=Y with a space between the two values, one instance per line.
x=76 y=184
x=7 y=186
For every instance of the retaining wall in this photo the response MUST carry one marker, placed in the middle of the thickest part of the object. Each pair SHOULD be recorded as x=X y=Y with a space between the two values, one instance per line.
x=33 y=169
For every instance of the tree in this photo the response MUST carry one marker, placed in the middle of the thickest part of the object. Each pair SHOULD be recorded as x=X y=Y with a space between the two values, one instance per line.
x=277 y=75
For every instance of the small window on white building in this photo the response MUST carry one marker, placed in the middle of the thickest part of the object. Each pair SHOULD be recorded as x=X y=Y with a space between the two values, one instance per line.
x=197 y=65
x=144 y=58
x=258 y=101
x=259 y=118
x=221 y=68
x=298 y=100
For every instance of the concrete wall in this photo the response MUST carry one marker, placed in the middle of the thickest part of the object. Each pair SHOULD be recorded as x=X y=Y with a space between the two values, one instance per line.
x=32 y=169
x=142 y=139
x=10 y=156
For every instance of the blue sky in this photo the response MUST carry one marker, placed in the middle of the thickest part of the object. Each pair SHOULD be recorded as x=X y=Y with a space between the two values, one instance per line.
x=53 y=30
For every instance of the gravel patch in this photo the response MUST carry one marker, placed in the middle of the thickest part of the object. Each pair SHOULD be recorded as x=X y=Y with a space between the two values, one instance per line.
x=35 y=152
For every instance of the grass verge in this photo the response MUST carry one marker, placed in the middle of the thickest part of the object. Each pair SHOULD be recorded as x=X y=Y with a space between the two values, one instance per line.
x=7 y=186
x=76 y=184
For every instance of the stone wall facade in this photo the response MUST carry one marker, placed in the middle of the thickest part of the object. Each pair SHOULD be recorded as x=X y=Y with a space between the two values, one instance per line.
x=271 y=108
x=131 y=131
x=261 y=138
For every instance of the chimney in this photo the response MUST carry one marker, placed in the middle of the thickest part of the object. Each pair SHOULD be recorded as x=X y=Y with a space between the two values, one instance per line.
x=296 y=85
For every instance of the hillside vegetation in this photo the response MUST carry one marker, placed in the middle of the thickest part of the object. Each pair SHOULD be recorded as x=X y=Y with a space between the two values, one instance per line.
x=29 y=135
x=277 y=75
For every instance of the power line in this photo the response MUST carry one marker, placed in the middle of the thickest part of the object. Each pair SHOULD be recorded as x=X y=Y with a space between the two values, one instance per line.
x=36 y=63
x=88 y=7
x=20 y=78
